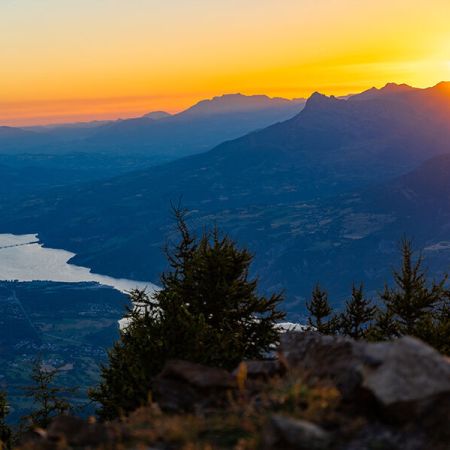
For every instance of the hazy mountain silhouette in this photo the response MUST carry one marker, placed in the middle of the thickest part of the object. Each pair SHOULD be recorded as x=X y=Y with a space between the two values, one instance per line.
x=67 y=132
x=156 y=115
x=159 y=134
x=388 y=89
x=14 y=138
x=233 y=103
x=196 y=129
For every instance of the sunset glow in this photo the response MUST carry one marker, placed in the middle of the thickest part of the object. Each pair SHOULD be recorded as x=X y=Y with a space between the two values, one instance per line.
x=93 y=59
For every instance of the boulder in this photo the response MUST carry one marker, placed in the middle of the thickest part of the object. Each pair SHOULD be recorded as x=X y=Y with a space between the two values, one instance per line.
x=185 y=386
x=405 y=377
x=288 y=433
x=324 y=357
x=408 y=377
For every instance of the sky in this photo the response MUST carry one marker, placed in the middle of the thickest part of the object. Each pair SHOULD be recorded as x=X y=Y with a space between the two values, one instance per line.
x=76 y=60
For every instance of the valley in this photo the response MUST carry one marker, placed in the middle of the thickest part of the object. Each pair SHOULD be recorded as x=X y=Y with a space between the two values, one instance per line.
x=69 y=326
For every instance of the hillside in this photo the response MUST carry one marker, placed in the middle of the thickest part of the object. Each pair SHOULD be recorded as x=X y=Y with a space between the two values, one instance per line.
x=35 y=172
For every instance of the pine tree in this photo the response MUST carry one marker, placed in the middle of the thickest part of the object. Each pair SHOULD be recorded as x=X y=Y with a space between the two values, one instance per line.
x=384 y=326
x=435 y=327
x=412 y=300
x=5 y=431
x=441 y=331
x=134 y=359
x=358 y=314
x=208 y=311
x=48 y=399
x=321 y=316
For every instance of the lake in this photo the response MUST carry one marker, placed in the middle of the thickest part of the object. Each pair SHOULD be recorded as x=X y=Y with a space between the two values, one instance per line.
x=23 y=258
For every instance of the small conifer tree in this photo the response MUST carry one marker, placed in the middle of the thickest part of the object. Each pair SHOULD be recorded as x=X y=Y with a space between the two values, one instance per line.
x=412 y=301
x=434 y=328
x=413 y=306
x=384 y=326
x=48 y=399
x=441 y=335
x=358 y=314
x=321 y=316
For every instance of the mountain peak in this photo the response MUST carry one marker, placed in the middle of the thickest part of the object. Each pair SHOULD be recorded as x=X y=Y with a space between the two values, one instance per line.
x=156 y=115
x=394 y=87
x=318 y=101
x=387 y=89
x=231 y=103
x=443 y=86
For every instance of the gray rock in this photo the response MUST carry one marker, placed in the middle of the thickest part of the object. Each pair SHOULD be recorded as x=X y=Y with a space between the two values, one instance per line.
x=325 y=357
x=197 y=375
x=186 y=386
x=409 y=377
x=405 y=377
x=287 y=432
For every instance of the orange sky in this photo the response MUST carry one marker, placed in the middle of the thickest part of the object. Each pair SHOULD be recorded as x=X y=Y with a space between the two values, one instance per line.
x=72 y=60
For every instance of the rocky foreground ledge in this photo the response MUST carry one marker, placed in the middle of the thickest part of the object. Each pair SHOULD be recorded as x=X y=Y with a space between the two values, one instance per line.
x=322 y=392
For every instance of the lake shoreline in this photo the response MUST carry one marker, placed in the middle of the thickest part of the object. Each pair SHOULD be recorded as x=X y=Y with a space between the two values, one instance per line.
x=26 y=258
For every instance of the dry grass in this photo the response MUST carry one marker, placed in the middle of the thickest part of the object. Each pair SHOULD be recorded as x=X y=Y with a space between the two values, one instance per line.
x=240 y=426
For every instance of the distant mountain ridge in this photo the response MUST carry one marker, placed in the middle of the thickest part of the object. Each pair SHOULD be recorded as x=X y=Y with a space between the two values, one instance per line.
x=157 y=115
x=159 y=134
x=388 y=89
x=198 y=128
x=237 y=103
x=14 y=133
x=14 y=139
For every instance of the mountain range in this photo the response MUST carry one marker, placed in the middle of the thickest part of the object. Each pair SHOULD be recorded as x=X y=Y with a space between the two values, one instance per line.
x=42 y=157
x=197 y=129
x=156 y=134
x=323 y=196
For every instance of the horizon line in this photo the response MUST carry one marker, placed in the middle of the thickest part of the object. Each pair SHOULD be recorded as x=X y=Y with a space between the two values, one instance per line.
x=60 y=119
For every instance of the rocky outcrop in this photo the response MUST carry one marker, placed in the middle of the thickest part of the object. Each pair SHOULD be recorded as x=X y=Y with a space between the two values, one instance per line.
x=332 y=357
x=185 y=386
x=323 y=392
x=406 y=378
x=289 y=433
